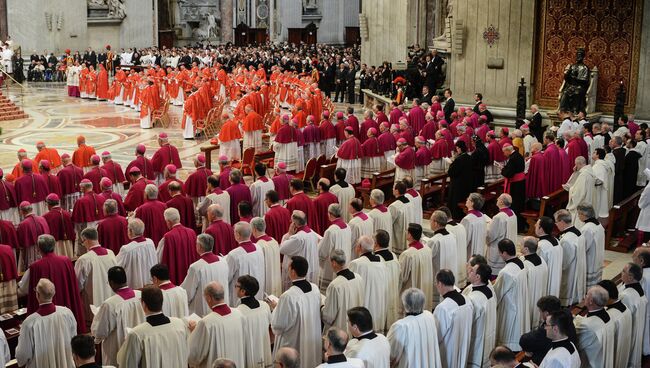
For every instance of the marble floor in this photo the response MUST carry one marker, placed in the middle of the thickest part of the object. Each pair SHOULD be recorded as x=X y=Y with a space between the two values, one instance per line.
x=58 y=119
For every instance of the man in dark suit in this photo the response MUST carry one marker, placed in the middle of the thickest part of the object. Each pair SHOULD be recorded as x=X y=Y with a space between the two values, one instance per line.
x=535 y=125
x=616 y=144
x=438 y=76
x=341 y=79
x=426 y=95
x=461 y=176
x=479 y=100
x=450 y=105
x=513 y=172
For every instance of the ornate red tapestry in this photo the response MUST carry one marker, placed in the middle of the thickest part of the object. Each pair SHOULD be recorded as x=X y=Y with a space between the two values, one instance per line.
x=610 y=33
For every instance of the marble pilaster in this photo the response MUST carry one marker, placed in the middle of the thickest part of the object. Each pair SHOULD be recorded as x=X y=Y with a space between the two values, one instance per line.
x=642 y=110
x=227 y=25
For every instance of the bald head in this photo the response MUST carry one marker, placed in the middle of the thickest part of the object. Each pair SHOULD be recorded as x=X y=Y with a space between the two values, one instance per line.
x=214 y=290
x=288 y=357
x=215 y=212
x=45 y=291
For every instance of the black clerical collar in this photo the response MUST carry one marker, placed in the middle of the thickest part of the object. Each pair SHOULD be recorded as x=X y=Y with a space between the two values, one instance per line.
x=386 y=254
x=343 y=184
x=618 y=305
x=456 y=297
x=346 y=273
x=483 y=289
x=601 y=313
x=636 y=286
x=452 y=223
x=442 y=231
x=90 y=365
x=402 y=199
x=157 y=319
x=564 y=343
x=303 y=285
x=413 y=313
x=516 y=261
x=534 y=259
x=593 y=221
x=571 y=229
x=372 y=257
x=369 y=335
x=338 y=358
x=250 y=302
x=550 y=239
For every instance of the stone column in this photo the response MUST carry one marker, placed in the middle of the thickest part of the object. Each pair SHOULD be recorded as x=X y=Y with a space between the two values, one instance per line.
x=227 y=12
x=642 y=108
x=3 y=20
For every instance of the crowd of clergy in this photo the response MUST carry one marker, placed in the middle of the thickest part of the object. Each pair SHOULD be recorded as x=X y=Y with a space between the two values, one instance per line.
x=212 y=271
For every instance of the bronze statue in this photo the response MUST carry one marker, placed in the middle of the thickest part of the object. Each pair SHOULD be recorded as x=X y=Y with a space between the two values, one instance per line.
x=573 y=97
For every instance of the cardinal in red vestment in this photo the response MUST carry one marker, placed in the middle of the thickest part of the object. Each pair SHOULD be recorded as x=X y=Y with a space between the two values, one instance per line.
x=321 y=204
x=535 y=177
x=81 y=156
x=141 y=162
x=277 y=218
x=165 y=155
x=108 y=193
x=221 y=231
x=135 y=197
x=183 y=204
x=151 y=214
x=197 y=183
x=95 y=173
x=52 y=181
x=179 y=247
x=113 y=228
x=30 y=187
x=169 y=173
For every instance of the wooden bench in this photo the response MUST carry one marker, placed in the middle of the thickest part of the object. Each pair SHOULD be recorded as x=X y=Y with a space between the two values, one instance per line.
x=431 y=187
x=618 y=221
x=327 y=171
x=551 y=203
x=383 y=181
x=490 y=193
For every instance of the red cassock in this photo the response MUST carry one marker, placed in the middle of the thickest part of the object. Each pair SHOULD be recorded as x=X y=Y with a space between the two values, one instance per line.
x=151 y=213
x=31 y=188
x=350 y=149
x=321 y=203
x=281 y=183
x=468 y=142
x=135 y=196
x=113 y=232
x=395 y=114
x=406 y=159
x=60 y=271
x=505 y=140
x=109 y=194
x=8 y=234
x=416 y=118
x=449 y=138
x=164 y=156
x=408 y=135
x=353 y=123
x=95 y=175
x=327 y=130
x=224 y=238
x=535 y=178
x=8 y=269
x=197 y=183
x=179 y=252
x=60 y=223
x=185 y=207
x=340 y=130
x=238 y=192
x=302 y=202
x=365 y=126
x=553 y=169
x=7 y=195
x=224 y=178
x=311 y=134
x=495 y=152
x=145 y=166
x=439 y=149
x=29 y=229
x=88 y=208
x=386 y=141
x=574 y=149
x=482 y=131
x=422 y=156
x=53 y=184
x=277 y=220
x=69 y=178
x=163 y=189
x=429 y=130
x=370 y=148
x=567 y=166
x=114 y=172
x=102 y=83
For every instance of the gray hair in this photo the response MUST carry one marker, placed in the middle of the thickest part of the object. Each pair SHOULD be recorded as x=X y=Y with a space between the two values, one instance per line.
x=86 y=186
x=599 y=295
x=216 y=211
x=172 y=215
x=377 y=196
x=46 y=289
x=334 y=209
x=224 y=363
x=413 y=300
x=46 y=243
x=215 y=290
x=586 y=211
x=338 y=256
x=338 y=339
x=27 y=209
x=136 y=226
x=110 y=207
x=205 y=242
x=506 y=199
x=235 y=176
x=563 y=216
x=258 y=224
x=243 y=229
x=89 y=233
x=530 y=242
x=618 y=139
x=299 y=218
x=151 y=191
x=439 y=217
x=580 y=161
x=367 y=243
x=288 y=357
x=477 y=201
